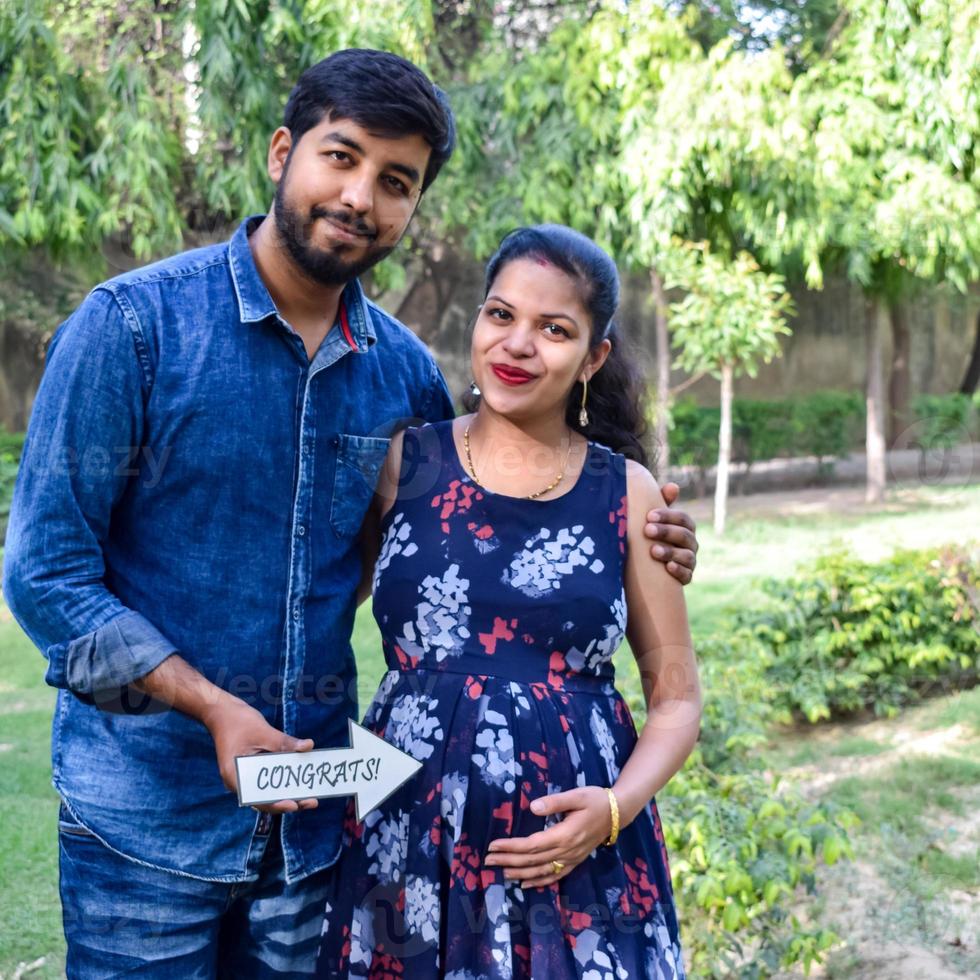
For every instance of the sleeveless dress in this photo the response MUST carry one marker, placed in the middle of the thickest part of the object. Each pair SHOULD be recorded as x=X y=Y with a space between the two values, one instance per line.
x=499 y=618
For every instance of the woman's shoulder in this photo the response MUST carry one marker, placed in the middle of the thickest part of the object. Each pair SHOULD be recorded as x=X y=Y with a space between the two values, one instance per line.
x=637 y=474
x=415 y=459
x=642 y=492
x=407 y=438
x=421 y=431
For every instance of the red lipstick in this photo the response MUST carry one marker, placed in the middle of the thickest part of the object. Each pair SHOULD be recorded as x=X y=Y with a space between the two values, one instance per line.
x=511 y=375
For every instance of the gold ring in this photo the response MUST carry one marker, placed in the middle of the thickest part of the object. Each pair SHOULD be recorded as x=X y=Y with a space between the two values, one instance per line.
x=557 y=867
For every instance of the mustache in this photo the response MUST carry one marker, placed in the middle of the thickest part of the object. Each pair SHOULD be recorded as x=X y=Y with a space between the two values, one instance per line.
x=358 y=226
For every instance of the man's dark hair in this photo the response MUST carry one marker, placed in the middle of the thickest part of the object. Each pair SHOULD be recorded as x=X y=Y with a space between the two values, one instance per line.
x=380 y=91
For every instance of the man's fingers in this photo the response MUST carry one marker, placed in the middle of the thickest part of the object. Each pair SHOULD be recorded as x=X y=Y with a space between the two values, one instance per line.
x=287 y=806
x=669 y=517
x=679 y=556
x=670 y=491
x=290 y=744
x=680 y=572
x=678 y=536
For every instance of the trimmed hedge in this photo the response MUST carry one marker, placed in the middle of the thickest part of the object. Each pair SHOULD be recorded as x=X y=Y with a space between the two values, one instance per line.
x=825 y=424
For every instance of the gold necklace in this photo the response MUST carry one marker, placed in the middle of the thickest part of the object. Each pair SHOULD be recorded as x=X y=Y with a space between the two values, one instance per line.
x=530 y=496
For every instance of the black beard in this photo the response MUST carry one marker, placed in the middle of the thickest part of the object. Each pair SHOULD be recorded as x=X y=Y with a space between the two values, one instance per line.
x=320 y=265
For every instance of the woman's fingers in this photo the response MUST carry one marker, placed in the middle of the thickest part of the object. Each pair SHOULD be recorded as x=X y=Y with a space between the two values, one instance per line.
x=545 y=875
x=525 y=859
x=537 y=842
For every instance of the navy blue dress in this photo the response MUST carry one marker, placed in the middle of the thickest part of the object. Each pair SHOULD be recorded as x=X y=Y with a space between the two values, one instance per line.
x=499 y=617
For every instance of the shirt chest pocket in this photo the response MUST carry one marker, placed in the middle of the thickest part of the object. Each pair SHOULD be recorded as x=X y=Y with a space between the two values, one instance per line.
x=359 y=460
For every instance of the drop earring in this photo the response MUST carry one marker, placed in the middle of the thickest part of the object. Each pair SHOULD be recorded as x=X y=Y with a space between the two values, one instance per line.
x=474 y=390
x=583 y=415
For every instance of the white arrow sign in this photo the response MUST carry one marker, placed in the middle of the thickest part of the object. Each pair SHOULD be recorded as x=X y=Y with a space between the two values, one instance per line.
x=371 y=769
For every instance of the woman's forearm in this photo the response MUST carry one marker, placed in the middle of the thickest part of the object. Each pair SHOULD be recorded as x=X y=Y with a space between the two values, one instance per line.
x=667 y=739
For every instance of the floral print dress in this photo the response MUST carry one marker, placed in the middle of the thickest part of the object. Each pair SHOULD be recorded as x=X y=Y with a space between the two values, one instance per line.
x=499 y=617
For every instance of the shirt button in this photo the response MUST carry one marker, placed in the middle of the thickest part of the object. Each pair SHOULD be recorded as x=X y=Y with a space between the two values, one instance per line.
x=301 y=530
x=296 y=612
x=335 y=441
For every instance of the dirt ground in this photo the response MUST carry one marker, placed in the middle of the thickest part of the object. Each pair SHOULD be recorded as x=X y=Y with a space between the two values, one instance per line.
x=810 y=501
x=896 y=926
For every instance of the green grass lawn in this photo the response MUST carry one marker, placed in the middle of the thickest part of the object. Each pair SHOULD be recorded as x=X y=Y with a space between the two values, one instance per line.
x=30 y=916
x=755 y=545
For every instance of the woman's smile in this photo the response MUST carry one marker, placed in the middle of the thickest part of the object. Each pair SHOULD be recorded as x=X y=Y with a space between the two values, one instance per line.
x=511 y=375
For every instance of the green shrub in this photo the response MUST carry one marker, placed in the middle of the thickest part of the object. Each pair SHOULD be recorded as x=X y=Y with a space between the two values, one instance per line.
x=694 y=438
x=943 y=421
x=839 y=636
x=742 y=845
x=845 y=635
x=825 y=424
x=11 y=445
x=760 y=430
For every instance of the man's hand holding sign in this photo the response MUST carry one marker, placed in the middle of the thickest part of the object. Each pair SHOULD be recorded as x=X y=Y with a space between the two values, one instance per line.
x=273 y=771
x=371 y=770
x=235 y=726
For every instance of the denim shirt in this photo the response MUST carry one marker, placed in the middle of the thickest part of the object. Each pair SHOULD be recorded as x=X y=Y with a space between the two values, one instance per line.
x=191 y=482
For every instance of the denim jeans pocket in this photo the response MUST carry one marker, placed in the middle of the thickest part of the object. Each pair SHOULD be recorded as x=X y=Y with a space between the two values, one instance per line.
x=67 y=824
x=359 y=461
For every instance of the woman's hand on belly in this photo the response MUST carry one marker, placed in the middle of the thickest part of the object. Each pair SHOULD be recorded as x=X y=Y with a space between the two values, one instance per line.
x=586 y=824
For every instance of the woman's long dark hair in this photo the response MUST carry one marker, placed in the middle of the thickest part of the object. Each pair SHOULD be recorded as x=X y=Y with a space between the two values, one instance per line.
x=616 y=393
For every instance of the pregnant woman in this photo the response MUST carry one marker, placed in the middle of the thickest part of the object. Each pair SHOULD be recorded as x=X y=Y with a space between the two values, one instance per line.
x=512 y=564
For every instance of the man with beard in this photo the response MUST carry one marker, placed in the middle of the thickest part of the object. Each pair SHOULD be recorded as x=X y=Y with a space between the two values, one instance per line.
x=185 y=534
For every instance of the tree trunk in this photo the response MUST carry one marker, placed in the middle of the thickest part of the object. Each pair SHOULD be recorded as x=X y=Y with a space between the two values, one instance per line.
x=972 y=376
x=662 y=407
x=899 y=383
x=724 y=448
x=874 y=403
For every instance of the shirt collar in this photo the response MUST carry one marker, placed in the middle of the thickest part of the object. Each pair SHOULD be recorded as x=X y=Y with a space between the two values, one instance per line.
x=256 y=304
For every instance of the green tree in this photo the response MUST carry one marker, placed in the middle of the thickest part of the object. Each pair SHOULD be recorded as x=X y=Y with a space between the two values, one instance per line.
x=801 y=28
x=727 y=174
x=730 y=319
x=139 y=122
x=893 y=112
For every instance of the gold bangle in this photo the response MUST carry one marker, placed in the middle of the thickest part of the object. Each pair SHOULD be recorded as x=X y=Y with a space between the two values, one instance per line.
x=614 y=814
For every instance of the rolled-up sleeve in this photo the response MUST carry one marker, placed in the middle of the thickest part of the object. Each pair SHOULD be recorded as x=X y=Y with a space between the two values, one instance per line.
x=87 y=422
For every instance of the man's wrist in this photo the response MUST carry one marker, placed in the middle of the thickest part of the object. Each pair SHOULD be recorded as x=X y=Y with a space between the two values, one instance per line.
x=218 y=706
x=177 y=683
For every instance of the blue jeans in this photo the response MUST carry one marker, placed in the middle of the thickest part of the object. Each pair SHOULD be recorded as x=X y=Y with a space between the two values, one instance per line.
x=124 y=918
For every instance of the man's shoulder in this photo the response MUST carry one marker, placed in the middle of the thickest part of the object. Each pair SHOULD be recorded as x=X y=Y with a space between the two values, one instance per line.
x=175 y=269
x=392 y=332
